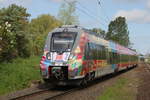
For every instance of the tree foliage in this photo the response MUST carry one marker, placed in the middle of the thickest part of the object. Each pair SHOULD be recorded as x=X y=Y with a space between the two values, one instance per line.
x=67 y=13
x=38 y=30
x=20 y=37
x=118 y=31
x=99 y=32
x=13 y=24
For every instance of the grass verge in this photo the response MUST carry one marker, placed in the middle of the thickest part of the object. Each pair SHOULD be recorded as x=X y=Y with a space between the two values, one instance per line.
x=18 y=74
x=121 y=90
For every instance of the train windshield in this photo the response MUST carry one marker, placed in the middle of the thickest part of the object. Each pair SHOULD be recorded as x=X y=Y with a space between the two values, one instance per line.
x=62 y=41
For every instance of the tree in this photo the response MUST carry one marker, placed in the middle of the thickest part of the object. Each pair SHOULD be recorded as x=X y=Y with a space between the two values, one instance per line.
x=67 y=13
x=13 y=24
x=38 y=31
x=99 y=32
x=118 y=31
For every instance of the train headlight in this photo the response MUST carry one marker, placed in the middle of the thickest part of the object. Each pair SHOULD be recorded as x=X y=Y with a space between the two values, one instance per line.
x=48 y=56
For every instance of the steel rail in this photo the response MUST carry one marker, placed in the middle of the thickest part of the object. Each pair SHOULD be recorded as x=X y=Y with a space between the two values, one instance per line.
x=29 y=95
x=62 y=94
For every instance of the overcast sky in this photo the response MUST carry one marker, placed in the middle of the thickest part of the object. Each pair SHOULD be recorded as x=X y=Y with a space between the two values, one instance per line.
x=137 y=13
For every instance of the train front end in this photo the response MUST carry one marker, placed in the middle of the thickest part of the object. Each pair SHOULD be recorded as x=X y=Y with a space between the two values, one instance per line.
x=60 y=64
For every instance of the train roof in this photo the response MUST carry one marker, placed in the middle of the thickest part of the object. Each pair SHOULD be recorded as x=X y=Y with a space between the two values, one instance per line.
x=115 y=47
x=65 y=28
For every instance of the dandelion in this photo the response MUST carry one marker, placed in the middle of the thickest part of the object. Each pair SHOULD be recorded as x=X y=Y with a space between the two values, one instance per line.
x=6 y=23
x=9 y=25
x=11 y=41
x=8 y=30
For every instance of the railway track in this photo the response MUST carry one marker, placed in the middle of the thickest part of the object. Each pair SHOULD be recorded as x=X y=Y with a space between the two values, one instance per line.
x=61 y=94
x=147 y=66
x=144 y=84
x=53 y=93
x=29 y=95
x=94 y=82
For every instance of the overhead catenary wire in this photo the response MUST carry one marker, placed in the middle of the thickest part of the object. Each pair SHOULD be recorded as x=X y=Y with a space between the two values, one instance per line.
x=91 y=12
x=91 y=15
x=119 y=26
x=88 y=14
x=99 y=3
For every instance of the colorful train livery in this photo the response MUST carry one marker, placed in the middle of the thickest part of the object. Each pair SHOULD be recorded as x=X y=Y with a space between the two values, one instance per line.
x=73 y=54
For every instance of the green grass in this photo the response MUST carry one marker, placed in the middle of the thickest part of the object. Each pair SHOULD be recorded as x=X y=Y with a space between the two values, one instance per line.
x=18 y=74
x=119 y=91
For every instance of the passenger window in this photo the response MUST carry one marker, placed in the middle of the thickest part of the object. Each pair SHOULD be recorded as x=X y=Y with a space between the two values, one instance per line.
x=87 y=49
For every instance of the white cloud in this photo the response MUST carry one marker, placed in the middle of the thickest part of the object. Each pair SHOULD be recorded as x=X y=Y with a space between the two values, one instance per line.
x=137 y=16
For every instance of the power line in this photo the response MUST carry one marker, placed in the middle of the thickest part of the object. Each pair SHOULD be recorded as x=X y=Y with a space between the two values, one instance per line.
x=99 y=3
x=90 y=11
x=92 y=16
x=86 y=13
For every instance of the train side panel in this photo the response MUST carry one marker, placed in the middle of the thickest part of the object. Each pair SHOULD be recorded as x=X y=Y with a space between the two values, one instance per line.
x=88 y=55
